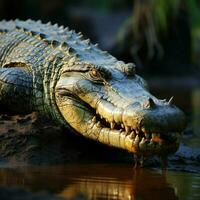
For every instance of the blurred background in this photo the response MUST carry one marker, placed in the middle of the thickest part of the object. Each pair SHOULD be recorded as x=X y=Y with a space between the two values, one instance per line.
x=161 y=36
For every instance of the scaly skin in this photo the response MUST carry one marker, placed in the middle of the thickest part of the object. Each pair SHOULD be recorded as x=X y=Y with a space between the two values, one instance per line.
x=88 y=90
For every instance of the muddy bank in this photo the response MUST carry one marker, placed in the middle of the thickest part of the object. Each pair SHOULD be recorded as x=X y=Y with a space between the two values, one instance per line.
x=26 y=139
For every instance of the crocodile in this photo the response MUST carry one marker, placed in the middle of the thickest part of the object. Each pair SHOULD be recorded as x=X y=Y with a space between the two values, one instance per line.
x=64 y=77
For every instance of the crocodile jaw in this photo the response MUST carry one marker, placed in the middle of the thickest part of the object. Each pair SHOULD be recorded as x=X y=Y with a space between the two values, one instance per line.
x=89 y=123
x=85 y=122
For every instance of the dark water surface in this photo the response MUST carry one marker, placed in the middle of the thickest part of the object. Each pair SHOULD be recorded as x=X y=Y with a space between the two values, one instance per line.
x=104 y=181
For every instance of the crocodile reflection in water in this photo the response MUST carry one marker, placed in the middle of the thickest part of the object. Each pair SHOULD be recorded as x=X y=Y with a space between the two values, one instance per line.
x=92 y=182
x=98 y=187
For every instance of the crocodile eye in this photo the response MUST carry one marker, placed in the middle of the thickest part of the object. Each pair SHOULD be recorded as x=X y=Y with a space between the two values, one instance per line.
x=94 y=73
x=99 y=74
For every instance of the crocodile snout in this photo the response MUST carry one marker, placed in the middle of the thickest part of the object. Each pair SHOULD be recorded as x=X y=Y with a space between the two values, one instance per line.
x=151 y=117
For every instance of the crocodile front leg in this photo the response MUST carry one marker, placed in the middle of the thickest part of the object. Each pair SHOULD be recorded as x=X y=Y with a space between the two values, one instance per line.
x=16 y=90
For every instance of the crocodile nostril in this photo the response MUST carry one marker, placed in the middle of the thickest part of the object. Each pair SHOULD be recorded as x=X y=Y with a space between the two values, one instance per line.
x=151 y=103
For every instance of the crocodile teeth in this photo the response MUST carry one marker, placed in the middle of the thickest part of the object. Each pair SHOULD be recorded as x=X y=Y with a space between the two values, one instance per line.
x=94 y=119
x=142 y=144
x=98 y=124
x=132 y=135
x=112 y=125
x=142 y=141
x=127 y=129
x=147 y=135
x=137 y=139
x=143 y=130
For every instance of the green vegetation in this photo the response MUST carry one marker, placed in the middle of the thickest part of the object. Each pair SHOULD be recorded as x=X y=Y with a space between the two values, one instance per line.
x=161 y=10
x=194 y=11
x=155 y=23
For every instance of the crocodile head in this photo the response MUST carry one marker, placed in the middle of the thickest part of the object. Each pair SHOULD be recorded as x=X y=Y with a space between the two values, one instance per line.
x=112 y=105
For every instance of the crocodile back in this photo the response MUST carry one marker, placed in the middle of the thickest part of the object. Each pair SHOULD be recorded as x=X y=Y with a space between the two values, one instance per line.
x=61 y=38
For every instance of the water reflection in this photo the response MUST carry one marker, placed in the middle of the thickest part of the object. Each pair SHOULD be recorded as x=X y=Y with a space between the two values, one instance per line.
x=92 y=182
x=127 y=185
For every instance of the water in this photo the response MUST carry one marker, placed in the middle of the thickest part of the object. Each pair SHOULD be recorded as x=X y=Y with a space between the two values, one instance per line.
x=104 y=181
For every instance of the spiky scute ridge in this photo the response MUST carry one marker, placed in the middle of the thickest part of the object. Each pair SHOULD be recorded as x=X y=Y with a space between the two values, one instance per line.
x=42 y=49
x=61 y=37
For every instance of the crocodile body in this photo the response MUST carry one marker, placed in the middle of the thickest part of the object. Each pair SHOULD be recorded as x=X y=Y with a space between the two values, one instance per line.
x=54 y=71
